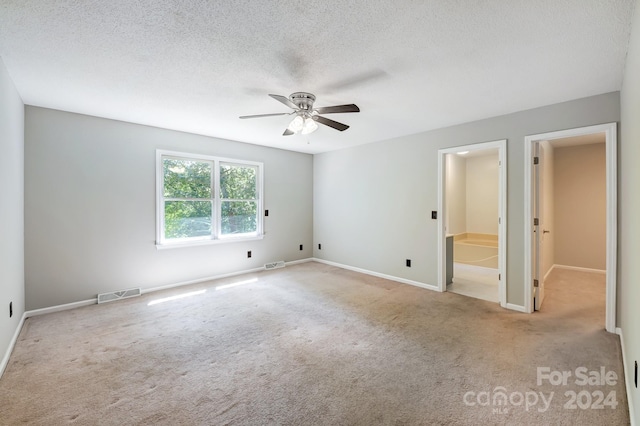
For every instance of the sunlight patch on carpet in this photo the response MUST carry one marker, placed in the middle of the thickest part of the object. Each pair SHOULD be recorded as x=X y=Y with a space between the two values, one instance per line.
x=245 y=282
x=176 y=297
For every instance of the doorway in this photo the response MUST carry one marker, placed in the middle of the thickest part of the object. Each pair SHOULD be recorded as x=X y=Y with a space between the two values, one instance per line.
x=540 y=245
x=472 y=220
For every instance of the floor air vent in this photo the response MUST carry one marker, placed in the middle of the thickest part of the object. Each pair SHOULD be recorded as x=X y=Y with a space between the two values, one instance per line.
x=117 y=295
x=274 y=265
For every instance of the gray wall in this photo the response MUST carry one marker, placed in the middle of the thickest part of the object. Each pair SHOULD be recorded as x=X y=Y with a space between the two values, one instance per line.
x=372 y=203
x=90 y=208
x=11 y=209
x=629 y=203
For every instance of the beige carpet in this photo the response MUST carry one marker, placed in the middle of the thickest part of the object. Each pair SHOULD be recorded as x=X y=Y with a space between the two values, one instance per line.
x=311 y=344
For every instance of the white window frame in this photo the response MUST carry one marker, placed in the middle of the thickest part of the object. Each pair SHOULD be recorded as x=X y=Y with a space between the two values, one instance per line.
x=216 y=219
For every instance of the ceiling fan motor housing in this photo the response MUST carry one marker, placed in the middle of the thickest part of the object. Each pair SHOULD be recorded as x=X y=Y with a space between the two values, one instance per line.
x=303 y=100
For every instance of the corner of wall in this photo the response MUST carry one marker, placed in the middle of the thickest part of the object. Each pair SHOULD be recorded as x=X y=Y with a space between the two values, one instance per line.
x=628 y=211
x=12 y=291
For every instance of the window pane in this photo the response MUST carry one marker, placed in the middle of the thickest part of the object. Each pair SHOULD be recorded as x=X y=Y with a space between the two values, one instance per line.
x=237 y=182
x=186 y=219
x=187 y=178
x=239 y=217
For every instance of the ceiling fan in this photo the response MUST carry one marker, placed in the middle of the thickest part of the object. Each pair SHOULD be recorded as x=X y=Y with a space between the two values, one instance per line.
x=306 y=115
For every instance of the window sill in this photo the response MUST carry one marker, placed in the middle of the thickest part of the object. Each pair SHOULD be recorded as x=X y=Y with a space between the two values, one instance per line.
x=196 y=243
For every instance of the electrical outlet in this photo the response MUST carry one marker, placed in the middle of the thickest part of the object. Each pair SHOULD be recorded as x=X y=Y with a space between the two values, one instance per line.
x=319 y=246
x=408 y=263
x=300 y=246
x=11 y=314
x=249 y=253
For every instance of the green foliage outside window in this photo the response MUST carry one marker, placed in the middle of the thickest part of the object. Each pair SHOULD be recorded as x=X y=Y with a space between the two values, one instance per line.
x=189 y=198
x=238 y=190
x=183 y=219
x=187 y=181
x=187 y=178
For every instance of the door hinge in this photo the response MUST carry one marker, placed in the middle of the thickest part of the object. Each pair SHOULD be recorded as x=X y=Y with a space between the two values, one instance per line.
x=536 y=160
x=536 y=283
x=499 y=277
x=536 y=221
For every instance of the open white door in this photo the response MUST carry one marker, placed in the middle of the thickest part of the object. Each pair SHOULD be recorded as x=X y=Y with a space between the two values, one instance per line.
x=538 y=225
x=533 y=248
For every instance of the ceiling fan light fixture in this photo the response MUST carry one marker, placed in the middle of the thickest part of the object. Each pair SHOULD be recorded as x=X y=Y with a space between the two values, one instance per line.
x=310 y=126
x=296 y=124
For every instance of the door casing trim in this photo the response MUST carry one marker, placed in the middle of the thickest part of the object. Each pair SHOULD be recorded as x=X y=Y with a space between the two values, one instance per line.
x=501 y=145
x=611 y=143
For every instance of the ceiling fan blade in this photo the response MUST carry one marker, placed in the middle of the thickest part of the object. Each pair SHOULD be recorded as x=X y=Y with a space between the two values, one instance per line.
x=288 y=133
x=265 y=115
x=337 y=109
x=285 y=101
x=330 y=123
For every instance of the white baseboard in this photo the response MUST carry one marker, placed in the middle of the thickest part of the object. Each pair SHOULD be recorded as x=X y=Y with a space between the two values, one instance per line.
x=58 y=308
x=297 y=262
x=67 y=306
x=548 y=273
x=14 y=339
x=516 y=308
x=626 y=366
x=379 y=275
x=402 y=280
x=578 y=268
x=200 y=280
x=217 y=277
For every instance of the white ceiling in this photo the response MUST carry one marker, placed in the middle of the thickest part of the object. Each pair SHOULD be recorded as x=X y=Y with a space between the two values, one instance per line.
x=411 y=66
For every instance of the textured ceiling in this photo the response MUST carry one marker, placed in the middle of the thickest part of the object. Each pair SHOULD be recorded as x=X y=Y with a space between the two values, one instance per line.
x=411 y=66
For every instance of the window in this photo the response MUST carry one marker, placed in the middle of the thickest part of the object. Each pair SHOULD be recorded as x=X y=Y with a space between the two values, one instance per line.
x=204 y=199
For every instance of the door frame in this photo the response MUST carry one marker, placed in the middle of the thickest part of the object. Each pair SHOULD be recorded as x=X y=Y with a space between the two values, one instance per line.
x=501 y=145
x=539 y=212
x=610 y=130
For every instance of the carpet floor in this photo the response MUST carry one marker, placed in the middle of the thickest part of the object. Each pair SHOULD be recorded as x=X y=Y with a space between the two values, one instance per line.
x=313 y=344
